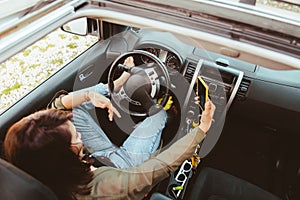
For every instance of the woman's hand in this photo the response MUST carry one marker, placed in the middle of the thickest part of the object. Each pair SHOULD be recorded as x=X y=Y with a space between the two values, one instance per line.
x=100 y=101
x=129 y=62
x=207 y=116
x=118 y=83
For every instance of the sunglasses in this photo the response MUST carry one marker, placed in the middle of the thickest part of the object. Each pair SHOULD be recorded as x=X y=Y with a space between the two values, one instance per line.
x=185 y=168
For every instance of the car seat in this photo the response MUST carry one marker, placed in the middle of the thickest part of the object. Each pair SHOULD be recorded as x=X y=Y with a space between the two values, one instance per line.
x=213 y=184
x=18 y=185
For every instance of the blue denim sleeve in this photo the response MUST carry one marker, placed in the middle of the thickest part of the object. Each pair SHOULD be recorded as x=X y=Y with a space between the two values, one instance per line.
x=102 y=89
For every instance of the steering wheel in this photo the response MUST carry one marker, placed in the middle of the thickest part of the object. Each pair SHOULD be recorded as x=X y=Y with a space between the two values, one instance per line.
x=147 y=83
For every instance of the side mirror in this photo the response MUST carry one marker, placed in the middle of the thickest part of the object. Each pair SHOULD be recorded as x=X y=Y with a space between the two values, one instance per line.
x=77 y=26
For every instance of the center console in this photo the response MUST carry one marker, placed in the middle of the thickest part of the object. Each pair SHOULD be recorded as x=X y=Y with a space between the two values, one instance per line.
x=223 y=84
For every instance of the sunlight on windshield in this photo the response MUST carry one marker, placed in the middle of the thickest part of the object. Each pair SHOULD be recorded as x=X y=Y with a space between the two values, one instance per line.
x=289 y=5
x=285 y=9
x=281 y=4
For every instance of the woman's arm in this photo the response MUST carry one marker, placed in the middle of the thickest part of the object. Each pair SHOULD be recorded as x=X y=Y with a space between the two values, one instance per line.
x=134 y=183
x=98 y=100
x=76 y=98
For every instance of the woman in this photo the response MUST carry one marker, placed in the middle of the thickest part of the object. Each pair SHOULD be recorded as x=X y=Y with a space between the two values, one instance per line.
x=142 y=141
x=47 y=146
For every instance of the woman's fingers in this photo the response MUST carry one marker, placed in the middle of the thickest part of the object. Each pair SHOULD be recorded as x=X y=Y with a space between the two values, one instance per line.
x=101 y=101
x=209 y=109
x=111 y=111
x=207 y=116
x=116 y=112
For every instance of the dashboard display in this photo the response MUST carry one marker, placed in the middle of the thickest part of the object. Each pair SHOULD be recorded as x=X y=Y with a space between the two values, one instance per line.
x=153 y=51
x=173 y=62
x=170 y=59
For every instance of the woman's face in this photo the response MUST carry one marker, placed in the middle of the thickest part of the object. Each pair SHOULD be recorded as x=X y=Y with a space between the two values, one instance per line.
x=76 y=143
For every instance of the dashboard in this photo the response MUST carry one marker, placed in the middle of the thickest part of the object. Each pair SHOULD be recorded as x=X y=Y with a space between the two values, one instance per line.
x=170 y=59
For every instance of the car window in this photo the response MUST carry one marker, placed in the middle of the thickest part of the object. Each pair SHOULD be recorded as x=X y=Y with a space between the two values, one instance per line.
x=23 y=72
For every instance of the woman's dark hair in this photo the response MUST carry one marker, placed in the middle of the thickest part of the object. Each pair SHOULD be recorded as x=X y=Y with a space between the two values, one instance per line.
x=40 y=144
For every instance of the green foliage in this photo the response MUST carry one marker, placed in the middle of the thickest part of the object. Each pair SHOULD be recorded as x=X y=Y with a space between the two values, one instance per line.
x=3 y=65
x=46 y=48
x=62 y=36
x=49 y=73
x=13 y=59
x=67 y=28
x=57 y=61
x=9 y=89
x=23 y=69
x=72 y=46
x=26 y=52
x=74 y=54
x=33 y=66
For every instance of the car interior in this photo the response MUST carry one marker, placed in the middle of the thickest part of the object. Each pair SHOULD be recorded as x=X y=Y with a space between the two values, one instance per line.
x=254 y=135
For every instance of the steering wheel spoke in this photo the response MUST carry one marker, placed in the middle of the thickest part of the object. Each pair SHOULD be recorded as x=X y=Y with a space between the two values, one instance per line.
x=121 y=95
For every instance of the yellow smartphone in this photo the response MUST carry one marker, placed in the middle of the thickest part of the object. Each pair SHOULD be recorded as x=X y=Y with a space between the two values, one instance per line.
x=201 y=92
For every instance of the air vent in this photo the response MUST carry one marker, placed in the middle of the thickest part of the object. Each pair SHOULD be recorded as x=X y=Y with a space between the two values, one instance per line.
x=190 y=70
x=243 y=89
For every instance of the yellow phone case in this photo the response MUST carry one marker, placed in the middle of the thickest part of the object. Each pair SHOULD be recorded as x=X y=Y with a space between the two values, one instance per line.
x=206 y=89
